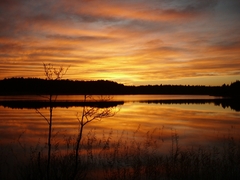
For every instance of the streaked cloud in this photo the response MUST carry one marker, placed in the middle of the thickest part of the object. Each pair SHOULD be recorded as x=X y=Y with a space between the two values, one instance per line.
x=133 y=42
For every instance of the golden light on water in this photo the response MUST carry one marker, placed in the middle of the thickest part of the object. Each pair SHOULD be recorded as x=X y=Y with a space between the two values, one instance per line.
x=162 y=120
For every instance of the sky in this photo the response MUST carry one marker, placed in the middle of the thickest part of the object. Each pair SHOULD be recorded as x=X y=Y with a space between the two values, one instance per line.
x=134 y=42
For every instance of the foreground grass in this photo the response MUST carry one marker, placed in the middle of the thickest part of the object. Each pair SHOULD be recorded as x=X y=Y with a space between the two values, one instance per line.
x=130 y=158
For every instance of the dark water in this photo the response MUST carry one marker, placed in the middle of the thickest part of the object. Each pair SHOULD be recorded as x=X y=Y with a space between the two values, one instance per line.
x=198 y=121
x=195 y=117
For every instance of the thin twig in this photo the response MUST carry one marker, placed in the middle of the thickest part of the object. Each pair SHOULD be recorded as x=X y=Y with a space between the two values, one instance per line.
x=42 y=115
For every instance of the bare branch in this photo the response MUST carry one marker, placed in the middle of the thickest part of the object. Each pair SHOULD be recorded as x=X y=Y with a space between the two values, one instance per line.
x=42 y=115
x=52 y=73
x=46 y=97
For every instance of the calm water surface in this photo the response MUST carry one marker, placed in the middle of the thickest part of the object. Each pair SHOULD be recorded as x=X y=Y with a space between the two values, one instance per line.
x=114 y=97
x=196 y=124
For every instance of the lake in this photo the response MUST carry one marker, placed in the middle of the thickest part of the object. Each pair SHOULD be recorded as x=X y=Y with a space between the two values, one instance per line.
x=196 y=121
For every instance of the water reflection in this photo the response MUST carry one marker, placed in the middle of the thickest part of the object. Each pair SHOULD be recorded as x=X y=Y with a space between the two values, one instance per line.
x=33 y=102
x=191 y=115
x=224 y=103
x=197 y=122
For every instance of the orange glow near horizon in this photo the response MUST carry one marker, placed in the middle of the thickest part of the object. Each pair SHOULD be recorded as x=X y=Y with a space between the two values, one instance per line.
x=193 y=123
x=136 y=42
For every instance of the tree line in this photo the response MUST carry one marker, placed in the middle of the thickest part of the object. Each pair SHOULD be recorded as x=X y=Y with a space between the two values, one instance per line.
x=37 y=86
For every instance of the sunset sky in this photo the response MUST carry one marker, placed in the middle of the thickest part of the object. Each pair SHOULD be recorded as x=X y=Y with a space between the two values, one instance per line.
x=129 y=41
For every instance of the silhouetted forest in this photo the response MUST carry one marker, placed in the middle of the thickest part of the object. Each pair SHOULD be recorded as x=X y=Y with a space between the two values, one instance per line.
x=36 y=86
x=37 y=104
x=224 y=103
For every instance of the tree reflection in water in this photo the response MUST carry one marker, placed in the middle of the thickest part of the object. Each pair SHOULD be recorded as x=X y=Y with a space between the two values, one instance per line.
x=52 y=74
x=88 y=115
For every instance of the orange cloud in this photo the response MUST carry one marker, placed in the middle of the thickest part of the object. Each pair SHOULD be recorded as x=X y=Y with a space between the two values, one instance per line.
x=146 y=41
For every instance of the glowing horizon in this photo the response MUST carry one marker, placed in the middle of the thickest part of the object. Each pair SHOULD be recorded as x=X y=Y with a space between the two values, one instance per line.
x=135 y=42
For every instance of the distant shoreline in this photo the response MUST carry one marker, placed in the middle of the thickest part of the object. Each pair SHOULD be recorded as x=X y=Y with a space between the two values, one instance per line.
x=35 y=86
x=36 y=104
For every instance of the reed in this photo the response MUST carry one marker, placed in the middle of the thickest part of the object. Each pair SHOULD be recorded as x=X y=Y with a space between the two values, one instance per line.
x=125 y=156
